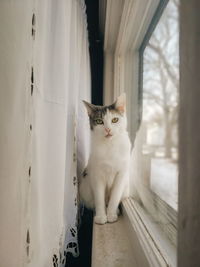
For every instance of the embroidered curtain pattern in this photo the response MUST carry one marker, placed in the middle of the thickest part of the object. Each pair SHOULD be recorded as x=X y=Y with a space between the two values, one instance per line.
x=44 y=75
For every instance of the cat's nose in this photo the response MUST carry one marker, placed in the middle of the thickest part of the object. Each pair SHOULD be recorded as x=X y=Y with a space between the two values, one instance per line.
x=107 y=130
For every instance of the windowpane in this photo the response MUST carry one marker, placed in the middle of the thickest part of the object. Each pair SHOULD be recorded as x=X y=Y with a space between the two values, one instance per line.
x=160 y=106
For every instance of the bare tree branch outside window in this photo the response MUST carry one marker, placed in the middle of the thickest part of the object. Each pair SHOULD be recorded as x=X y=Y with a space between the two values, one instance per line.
x=160 y=100
x=161 y=77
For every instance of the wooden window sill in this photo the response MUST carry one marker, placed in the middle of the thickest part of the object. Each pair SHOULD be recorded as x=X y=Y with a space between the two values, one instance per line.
x=134 y=240
x=111 y=245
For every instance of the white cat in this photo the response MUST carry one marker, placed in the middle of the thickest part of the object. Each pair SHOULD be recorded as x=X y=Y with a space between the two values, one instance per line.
x=105 y=181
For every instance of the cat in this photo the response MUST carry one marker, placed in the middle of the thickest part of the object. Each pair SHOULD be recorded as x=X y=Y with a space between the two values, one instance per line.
x=105 y=180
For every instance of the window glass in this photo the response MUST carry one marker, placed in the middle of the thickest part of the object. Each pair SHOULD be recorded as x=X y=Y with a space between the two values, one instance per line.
x=160 y=105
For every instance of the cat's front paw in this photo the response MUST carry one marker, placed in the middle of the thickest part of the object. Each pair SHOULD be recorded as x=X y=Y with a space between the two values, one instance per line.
x=99 y=219
x=112 y=217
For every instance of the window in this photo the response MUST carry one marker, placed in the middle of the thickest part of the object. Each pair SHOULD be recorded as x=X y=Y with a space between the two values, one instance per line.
x=142 y=44
x=159 y=98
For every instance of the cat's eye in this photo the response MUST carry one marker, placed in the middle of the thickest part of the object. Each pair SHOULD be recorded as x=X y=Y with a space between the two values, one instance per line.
x=114 y=120
x=99 y=121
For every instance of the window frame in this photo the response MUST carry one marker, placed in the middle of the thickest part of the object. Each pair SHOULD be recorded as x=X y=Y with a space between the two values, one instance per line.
x=122 y=73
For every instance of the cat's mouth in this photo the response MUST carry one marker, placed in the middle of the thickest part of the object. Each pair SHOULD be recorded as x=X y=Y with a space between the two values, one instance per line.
x=108 y=135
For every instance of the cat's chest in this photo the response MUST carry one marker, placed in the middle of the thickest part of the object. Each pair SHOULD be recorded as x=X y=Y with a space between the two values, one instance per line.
x=112 y=153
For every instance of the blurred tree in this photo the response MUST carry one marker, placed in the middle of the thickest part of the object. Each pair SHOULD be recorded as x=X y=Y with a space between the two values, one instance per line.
x=161 y=75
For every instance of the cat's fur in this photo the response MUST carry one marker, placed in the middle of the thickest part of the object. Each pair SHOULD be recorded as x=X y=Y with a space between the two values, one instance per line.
x=105 y=180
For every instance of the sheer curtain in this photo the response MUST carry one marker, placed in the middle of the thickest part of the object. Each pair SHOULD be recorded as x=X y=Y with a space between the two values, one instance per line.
x=44 y=75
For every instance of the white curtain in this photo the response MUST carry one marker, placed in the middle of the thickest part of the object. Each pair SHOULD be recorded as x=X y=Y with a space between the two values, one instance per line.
x=44 y=75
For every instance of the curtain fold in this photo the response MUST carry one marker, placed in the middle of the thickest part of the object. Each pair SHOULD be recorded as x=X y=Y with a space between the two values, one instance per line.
x=45 y=73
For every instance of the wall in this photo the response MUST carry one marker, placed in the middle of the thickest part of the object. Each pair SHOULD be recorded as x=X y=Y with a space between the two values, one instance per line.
x=189 y=183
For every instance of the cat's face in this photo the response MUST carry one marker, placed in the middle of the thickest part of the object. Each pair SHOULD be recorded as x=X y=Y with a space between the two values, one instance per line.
x=108 y=121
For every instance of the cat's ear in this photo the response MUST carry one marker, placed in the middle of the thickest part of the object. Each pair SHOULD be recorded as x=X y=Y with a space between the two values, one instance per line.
x=120 y=103
x=90 y=107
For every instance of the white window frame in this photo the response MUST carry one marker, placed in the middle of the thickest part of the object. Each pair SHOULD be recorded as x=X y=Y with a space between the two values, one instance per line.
x=124 y=34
